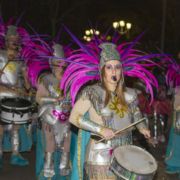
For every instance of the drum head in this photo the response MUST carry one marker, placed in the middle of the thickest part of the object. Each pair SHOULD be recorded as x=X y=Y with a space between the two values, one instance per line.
x=135 y=159
x=15 y=102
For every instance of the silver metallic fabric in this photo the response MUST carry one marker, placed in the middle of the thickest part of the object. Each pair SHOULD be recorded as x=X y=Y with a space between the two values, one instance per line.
x=48 y=165
x=52 y=112
x=131 y=98
x=15 y=141
x=177 y=122
x=55 y=113
x=8 y=127
x=60 y=130
x=3 y=58
x=96 y=95
x=64 y=166
x=99 y=154
x=89 y=125
x=11 y=74
x=107 y=116
x=48 y=117
x=52 y=85
x=46 y=113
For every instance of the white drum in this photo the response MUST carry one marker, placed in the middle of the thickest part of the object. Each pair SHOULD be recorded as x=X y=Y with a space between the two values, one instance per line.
x=130 y=162
x=15 y=110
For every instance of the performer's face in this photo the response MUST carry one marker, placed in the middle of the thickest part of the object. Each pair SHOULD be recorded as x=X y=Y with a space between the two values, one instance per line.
x=58 y=69
x=113 y=71
x=13 y=43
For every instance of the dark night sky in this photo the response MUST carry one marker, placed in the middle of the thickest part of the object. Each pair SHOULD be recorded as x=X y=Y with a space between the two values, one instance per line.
x=46 y=16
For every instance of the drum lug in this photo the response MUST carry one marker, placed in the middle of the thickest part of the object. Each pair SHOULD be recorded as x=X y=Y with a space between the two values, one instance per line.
x=21 y=114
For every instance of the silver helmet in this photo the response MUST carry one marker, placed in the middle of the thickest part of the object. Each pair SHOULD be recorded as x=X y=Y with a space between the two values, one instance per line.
x=108 y=53
x=58 y=53
x=11 y=31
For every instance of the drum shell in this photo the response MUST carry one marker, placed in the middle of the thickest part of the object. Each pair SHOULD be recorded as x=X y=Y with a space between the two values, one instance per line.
x=20 y=114
x=123 y=173
x=98 y=154
x=128 y=174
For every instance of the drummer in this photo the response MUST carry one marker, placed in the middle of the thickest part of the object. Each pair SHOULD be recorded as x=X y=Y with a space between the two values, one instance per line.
x=100 y=110
x=53 y=137
x=12 y=86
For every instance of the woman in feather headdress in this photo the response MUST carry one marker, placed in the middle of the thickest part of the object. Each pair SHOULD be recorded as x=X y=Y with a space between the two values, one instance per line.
x=13 y=83
x=45 y=69
x=105 y=106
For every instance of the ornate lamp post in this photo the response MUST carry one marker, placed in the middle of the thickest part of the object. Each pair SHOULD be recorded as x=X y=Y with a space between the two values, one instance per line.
x=90 y=33
x=122 y=27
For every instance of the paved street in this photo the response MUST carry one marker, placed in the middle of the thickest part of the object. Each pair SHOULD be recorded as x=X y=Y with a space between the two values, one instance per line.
x=10 y=172
x=28 y=173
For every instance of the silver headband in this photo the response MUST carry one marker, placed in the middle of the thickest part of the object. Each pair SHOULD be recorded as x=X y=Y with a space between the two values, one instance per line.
x=58 y=51
x=108 y=53
x=11 y=31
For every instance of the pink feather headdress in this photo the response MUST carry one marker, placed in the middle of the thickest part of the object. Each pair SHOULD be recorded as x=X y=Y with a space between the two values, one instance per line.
x=173 y=73
x=85 y=65
x=38 y=59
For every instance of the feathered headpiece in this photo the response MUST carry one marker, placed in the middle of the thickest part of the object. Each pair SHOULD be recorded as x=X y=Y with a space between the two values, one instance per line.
x=28 y=48
x=173 y=73
x=86 y=62
x=41 y=57
x=7 y=29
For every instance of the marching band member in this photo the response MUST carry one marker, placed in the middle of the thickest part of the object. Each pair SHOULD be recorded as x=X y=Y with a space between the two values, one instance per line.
x=12 y=82
x=53 y=139
x=104 y=107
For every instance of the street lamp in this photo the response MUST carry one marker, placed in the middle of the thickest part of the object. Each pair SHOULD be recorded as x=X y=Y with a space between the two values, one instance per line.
x=89 y=34
x=122 y=27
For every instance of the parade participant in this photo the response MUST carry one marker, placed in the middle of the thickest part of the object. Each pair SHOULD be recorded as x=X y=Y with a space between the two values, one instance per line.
x=103 y=107
x=161 y=114
x=172 y=159
x=13 y=84
x=143 y=99
x=53 y=137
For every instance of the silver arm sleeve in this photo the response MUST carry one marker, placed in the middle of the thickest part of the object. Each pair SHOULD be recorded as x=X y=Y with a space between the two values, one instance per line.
x=137 y=115
x=89 y=125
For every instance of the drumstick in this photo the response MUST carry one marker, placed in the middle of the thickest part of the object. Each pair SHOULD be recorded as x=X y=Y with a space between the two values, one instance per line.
x=2 y=70
x=117 y=132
